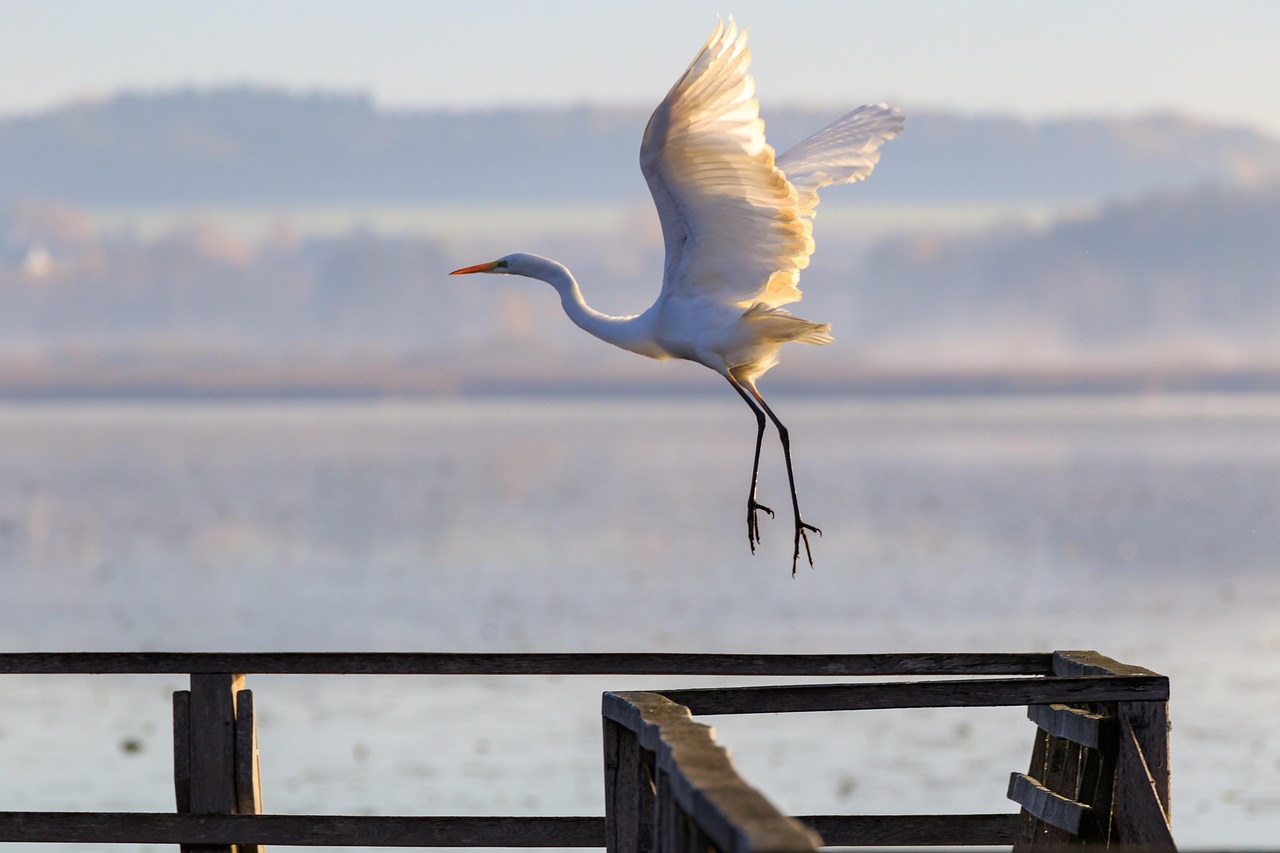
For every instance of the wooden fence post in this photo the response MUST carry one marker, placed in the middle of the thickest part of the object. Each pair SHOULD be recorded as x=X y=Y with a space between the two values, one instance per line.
x=1140 y=805
x=205 y=750
x=628 y=791
x=1150 y=724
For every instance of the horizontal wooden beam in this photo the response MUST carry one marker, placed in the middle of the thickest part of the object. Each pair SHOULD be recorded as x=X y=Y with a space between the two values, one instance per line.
x=1052 y=808
x=316 y=830
x=958 y=830
x=300 y=830
x=363 y=831
x=430 y=663
x=958 y=693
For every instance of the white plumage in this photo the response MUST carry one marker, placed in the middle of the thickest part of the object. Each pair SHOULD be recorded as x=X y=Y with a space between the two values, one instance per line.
x=737 y=222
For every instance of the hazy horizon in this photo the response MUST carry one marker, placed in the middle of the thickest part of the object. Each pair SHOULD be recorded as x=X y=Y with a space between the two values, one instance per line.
x=249 y=241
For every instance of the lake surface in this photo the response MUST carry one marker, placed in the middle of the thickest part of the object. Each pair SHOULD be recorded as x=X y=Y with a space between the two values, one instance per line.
x=1145 y=527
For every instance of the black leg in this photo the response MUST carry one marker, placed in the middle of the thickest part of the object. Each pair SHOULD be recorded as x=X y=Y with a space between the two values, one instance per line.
x=802 y=527
x=753 y=506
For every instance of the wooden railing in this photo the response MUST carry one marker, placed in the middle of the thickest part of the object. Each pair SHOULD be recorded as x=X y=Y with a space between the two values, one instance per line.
x=1083 y=786
x=1099 y=773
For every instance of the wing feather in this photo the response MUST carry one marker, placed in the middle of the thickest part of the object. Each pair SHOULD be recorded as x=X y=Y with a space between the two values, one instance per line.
x=736 y=220
x=842 y=152
x=732 y=223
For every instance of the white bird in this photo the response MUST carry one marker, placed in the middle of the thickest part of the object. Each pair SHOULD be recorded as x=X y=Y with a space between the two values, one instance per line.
x=737 y=224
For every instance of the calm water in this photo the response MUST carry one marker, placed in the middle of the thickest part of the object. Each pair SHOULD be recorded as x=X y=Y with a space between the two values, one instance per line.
x=1144 y=527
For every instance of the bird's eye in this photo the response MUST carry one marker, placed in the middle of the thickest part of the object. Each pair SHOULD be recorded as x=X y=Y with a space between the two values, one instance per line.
x=502 y=265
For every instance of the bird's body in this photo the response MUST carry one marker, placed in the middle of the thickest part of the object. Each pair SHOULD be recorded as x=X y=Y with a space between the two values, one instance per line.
x=737 y=225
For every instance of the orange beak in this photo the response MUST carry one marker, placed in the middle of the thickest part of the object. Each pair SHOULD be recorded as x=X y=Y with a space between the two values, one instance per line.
x=477 y=268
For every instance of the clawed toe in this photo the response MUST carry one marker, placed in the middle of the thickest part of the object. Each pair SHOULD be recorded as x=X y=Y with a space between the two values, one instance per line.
x=753 y=522
x=802 y=535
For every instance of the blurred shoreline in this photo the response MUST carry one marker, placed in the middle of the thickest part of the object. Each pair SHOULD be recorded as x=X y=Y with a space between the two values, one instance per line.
x=250 y=382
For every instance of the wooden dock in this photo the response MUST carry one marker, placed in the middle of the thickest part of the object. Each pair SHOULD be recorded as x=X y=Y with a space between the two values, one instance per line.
x=1098 y=775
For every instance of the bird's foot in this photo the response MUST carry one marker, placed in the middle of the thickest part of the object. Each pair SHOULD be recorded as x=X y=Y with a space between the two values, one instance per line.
x=802 y=535
x=753 y=522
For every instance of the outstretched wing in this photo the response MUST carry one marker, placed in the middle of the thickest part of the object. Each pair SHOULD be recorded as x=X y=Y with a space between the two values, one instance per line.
x=843 y=152
x=733 y=224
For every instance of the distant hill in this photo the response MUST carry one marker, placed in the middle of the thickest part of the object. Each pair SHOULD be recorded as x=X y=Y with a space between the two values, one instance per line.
x=1177 y=290
x=247 y=146
x=1189 y=278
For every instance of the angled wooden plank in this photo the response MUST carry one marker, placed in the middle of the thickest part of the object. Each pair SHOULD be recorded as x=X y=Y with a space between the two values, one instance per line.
x=604 y=663
x=976 y=692
x=1140 y=819
x=696 y=777
x=1149 y=723
x=300 y=830
x=1054 y=809
x=1074 y=724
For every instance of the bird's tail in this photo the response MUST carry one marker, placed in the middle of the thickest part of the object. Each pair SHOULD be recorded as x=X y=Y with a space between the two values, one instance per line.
x=780 y=326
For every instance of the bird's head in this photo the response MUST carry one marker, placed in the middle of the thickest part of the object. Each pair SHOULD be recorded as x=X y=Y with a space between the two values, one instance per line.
x=501 y=266
x=529 y=266
x=517 y=264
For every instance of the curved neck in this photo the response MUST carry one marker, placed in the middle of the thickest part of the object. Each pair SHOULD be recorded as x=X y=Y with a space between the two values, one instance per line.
x=624 y=332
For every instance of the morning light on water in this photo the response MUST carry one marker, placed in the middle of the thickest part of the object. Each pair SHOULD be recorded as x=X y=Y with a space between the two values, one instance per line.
x=1140 y=524
x=244 y=408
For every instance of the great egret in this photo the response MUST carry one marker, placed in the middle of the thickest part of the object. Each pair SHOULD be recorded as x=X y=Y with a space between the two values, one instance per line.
x=737 y=224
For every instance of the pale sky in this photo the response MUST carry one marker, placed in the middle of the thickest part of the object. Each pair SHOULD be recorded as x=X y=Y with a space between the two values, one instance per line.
x=1036 y=58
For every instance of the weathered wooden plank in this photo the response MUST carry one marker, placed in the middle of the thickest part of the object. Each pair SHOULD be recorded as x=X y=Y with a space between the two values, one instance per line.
x=300 y=830
x=628 y=791
x=430 y=663
x=619 y=797
x=920 y=694
x=248 y=783
x=213 y=749
x=1097 y=778
x=182 y=749
x=1089 y=662
x=212 y=741
x=1062 y=770
x=1052 y=808
x=1149 y=722
x=1031 y=832
x=1140 y=819
x=914 y=830
x=1062 y=774
x=667 y=813
x=696 y=775
x=1074 y=724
